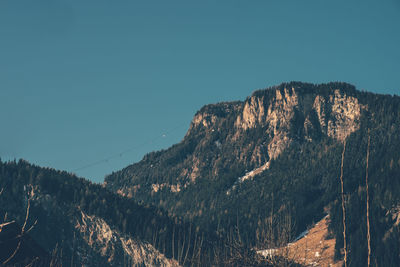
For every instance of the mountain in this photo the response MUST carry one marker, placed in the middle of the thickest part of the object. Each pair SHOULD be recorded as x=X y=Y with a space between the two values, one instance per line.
x=259 y=182
x=269 y=167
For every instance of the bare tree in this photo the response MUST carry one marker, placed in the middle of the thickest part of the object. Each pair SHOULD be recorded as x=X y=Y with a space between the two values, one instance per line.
x=188 y=248
x=343 y=206
x=368 y=222
x=22 y=233
x=271 y=248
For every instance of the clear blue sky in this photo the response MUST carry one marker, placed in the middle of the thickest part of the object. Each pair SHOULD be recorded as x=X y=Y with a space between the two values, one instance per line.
x=82 y=81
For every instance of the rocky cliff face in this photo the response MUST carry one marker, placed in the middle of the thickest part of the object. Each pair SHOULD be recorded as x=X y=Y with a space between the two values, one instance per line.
x=257 y=131
x=338 y=116
x=118 y=249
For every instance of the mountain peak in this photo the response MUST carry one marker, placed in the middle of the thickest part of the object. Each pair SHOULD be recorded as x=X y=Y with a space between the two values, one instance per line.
x=303 y=87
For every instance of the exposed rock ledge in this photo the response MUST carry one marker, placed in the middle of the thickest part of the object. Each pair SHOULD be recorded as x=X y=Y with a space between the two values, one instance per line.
x=108 y=243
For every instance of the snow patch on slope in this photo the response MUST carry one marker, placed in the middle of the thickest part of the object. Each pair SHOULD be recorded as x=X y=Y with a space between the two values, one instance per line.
x=249 y=175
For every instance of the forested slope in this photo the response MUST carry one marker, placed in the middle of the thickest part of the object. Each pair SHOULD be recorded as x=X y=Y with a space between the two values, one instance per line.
x=278 y=154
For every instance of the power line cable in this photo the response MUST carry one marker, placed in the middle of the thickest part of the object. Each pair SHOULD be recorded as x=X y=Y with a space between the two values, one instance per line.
x=120 y=154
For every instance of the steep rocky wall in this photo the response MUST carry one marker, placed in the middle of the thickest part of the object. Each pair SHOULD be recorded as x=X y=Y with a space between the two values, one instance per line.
x=92 y=240
x=116 y=247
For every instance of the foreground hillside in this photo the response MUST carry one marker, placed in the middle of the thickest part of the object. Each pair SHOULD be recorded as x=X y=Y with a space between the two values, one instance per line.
x=270 y=166
x=75 y=222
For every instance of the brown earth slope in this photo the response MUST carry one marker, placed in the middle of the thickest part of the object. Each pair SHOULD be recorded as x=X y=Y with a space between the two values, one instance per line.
x=315 y=248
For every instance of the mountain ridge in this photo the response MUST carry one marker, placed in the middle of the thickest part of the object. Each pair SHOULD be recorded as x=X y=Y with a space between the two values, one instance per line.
x=253 y=112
